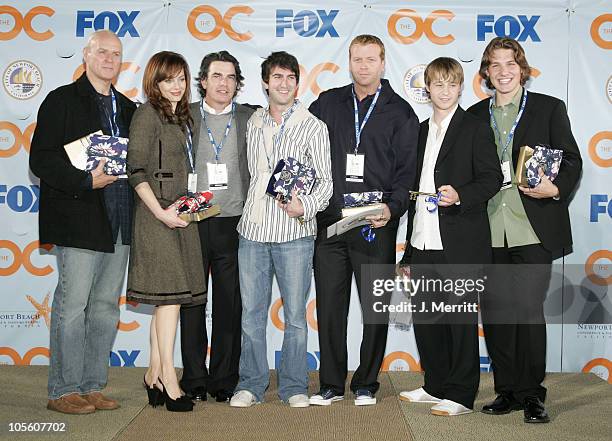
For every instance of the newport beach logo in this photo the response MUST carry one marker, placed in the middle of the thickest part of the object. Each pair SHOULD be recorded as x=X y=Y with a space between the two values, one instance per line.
x=28 y=318
x=22 y=80
x=414 y=84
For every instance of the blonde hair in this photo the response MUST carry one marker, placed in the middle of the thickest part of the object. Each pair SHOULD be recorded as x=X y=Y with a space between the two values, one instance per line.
x=445 y=69
x=365 y=39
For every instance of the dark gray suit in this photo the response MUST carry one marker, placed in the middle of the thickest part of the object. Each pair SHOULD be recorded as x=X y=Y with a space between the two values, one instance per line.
x=219 y=241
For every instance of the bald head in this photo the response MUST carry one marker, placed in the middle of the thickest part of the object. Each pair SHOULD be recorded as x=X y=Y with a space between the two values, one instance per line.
x=102 y=58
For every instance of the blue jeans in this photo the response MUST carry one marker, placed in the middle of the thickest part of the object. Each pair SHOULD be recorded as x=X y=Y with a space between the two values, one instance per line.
x=292 y=264
x=84 y=318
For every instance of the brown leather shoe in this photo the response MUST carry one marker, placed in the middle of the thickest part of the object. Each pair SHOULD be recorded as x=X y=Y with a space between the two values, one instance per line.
x=71 y=404
x=100 y=401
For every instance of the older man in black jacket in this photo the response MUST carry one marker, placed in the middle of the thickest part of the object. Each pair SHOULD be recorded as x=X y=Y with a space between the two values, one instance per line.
x=87 y=216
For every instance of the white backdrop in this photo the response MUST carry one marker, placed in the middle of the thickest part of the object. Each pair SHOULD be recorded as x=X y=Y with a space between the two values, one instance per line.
x=568 y=43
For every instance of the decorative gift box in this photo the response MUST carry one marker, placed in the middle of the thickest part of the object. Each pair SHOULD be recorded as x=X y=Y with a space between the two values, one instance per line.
x=361 y=199
x=531 y=160
x=196 y=206
x=289 y=174
x=85 y=153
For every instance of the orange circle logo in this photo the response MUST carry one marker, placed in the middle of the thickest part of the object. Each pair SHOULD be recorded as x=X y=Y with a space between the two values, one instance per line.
x=279 y=324
x=24 y=258
x=596 y=144
x=593 y=269
x=130 y=326
x=391 y=358
x=420 y=26
x=27 y=358
x=595 y=31
x=599 y=362
x=20 y=139
x=308 y=80
x=25 y=23
x=219 y=23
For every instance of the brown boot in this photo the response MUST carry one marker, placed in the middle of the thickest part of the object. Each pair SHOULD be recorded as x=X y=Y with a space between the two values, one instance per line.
x=71 y=404
x=100 y=401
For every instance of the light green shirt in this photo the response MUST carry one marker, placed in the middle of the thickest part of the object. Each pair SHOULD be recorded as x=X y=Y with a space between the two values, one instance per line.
x=507 y=215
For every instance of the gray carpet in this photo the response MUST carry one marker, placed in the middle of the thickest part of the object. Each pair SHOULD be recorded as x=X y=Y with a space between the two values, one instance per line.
x=579 y=405
x=23 y=398
x=274 y=420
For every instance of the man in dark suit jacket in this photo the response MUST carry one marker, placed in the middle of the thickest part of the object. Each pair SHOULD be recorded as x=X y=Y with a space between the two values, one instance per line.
x=456 y=161
x=88 y=216
x=219 y=143
x=528 y=226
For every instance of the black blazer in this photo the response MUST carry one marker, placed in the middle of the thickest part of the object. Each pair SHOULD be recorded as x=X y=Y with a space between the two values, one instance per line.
x=545 y=121
x=468 y=162
x=71 y=215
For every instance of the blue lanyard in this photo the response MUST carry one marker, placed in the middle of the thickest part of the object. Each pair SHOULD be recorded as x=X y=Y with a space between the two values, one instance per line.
x=516 y=121
x=112 y=119
x=279 y=136
x=218 y=147
x=359 y=129
x=189 y=143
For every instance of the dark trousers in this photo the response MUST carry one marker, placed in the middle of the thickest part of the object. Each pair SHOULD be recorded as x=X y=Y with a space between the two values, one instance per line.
x=513 y=319
x=219 y=240
x=336 y=260
x=447 y=341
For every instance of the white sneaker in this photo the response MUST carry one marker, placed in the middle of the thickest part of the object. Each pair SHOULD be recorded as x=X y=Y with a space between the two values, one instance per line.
x=449 y=408
x=243 y=398
x=325 y=397
x=364 y=397
x=418 y=396
x=299 y=400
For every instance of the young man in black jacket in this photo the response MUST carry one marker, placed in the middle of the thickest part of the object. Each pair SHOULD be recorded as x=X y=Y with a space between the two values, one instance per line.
x=448 y=238
x=529 y=226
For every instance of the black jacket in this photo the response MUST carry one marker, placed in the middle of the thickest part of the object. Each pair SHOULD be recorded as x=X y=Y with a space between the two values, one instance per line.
x=545 y=121
x=69 y=215
x=389 y=141
x=468 y=162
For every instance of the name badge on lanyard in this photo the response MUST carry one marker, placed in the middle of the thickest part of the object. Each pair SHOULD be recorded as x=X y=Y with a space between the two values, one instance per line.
x=355 y=162
x=217 y=176
x=192 y=178
x=217 y=171
x=504 y=160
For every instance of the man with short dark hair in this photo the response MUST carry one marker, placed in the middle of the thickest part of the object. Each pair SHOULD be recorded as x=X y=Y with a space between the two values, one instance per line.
x=373 y=135
x=277 y=238
x=88 y=217
x=529 y=226
x=219 y=140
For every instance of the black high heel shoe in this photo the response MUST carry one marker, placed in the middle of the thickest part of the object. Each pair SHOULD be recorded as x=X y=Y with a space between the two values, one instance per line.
x=181 y=404
x=156 y=396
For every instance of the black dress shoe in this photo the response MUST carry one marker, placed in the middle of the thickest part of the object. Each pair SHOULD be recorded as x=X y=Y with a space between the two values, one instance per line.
x=535 y=412
x=222 y=396
x=196 y=394
x=504 y=403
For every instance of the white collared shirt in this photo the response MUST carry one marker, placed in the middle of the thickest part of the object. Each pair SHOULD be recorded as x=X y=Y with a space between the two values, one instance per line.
x=212 y=111
x=426 y=225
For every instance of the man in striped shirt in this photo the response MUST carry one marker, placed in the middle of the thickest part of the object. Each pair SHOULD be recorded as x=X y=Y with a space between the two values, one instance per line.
x=277 y=238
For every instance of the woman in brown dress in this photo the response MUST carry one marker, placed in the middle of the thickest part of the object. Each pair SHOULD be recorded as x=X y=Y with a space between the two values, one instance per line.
x=165 y=260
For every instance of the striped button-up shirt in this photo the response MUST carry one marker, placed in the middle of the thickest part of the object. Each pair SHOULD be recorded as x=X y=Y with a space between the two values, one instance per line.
x=304 y=138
